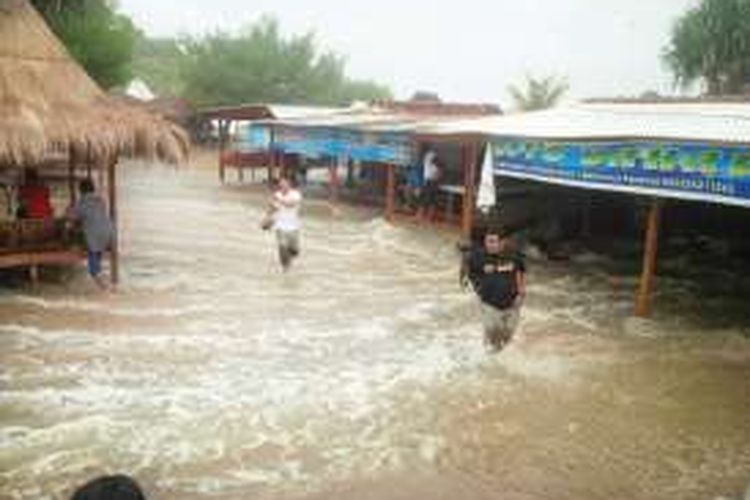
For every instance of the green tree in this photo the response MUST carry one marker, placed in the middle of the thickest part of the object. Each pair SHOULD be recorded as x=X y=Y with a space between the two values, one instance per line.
x=539 y=93
x=260 y=65
x=157 y=61
x=99 y=38
x=711 y=43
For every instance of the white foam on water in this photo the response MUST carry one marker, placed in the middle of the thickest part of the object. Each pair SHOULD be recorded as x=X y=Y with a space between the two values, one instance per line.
x=105 y=306
x=534 y=365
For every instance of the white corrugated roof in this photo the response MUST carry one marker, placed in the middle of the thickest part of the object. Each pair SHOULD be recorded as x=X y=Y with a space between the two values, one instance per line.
x=367 y=119
x=287 y=112
x=723 y=123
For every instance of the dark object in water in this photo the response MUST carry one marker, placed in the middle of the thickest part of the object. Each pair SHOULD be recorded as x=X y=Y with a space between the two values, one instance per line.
x=118 y=487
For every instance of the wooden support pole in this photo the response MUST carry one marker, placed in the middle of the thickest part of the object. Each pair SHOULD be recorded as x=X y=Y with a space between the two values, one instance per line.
x=643 y=301
x=114 y=253
x=282 y=165
x=333 y=179
x=222 y=148
x=390 y=192
x=72 y=175
x=271 y=155
x=469 y=153
x=34 y=275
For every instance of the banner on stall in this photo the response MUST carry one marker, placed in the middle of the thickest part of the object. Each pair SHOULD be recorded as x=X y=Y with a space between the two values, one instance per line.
x=360 y=146
x=697 y=172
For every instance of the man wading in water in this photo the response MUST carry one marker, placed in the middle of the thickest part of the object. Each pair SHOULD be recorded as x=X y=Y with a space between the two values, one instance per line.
x=284 y=212
x=497 y=276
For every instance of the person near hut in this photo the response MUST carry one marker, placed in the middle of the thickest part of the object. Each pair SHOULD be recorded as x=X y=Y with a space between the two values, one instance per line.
x=496 y=273
x=432 y=172
x=34 y=197
x=413 y=186
x=284 y=217
x=98 y=231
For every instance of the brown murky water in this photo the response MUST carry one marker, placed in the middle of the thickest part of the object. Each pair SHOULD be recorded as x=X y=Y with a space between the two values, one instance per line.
x=359 y=375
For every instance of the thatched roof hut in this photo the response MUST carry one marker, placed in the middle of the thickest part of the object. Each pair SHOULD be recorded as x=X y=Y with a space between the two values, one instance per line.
x=49 y=104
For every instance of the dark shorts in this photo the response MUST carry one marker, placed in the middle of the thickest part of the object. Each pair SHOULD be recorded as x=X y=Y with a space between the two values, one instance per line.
x=429 y=194
x=288 y=242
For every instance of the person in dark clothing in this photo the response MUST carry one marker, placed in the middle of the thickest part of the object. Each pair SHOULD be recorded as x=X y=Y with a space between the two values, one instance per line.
x=116 y=487
x=497 y=276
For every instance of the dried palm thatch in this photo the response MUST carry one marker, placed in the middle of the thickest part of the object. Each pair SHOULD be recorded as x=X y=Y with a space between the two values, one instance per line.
x=48 y=103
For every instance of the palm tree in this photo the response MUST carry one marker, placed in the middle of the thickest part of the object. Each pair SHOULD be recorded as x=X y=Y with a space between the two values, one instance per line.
x=539 y=93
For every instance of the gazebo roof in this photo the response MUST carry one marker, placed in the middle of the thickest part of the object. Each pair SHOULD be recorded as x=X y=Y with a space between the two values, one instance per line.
x=48 y=102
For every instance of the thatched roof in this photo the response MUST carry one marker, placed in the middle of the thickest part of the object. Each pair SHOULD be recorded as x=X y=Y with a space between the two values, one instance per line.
x=49 y=103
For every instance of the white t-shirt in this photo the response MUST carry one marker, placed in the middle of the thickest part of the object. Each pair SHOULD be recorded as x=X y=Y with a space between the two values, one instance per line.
x=286 y=217
x=430 y=167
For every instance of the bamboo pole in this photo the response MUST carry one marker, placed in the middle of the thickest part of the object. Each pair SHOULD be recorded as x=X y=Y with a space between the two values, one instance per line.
x=643 y=301
x=114 y=253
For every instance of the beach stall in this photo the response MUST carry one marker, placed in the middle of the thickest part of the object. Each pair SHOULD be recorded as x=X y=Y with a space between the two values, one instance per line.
x=57 y=123
x=371 y=152
x=245 y=135
x=689 y=152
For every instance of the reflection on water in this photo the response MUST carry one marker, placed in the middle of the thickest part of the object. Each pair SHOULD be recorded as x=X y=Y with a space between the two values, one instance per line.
x=358 y=375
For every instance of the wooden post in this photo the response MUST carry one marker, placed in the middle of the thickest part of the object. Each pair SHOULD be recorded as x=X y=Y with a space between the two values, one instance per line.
x=271 y=156
x=333 y=179
x=34 y=275
x=390 y=192
x=72 y=175
x=222 y=147
x=469 y=151
x=114 y=253
x=643 y=301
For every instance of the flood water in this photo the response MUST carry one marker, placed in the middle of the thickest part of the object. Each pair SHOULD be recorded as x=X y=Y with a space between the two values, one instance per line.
x=360 y=374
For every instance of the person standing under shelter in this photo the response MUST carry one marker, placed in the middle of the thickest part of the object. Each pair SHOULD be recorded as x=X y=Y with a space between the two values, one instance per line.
x=34 y=197
x=98 y=231
x=285 y=206
x=498 y=277
x=431 y=174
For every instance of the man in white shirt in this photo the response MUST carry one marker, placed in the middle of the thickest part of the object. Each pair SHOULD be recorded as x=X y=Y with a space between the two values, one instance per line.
x=429 y=166
x=432 y=172
x=286 y=202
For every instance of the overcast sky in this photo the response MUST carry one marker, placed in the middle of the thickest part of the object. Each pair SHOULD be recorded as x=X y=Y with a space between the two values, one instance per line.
x=465 y=50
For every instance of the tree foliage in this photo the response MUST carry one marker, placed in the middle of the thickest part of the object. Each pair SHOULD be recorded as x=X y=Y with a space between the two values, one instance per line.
x=158 y=61
x=260 y=65
x=538 y=93
x=711 y=43
x=99 y=38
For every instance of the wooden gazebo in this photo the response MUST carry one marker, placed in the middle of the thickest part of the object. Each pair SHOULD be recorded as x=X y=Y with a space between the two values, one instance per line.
x=55 y=118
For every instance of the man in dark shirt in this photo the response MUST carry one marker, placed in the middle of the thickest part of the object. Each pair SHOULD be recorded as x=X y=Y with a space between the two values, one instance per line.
x=497 y=276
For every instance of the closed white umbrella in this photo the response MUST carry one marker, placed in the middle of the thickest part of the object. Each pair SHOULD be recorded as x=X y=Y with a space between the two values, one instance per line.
x=486 y=196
